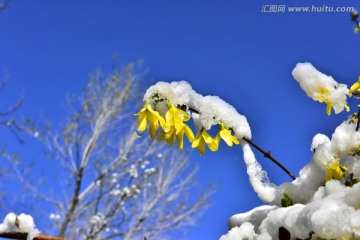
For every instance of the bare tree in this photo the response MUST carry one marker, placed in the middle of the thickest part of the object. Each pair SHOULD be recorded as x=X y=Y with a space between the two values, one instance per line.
x=119 y=186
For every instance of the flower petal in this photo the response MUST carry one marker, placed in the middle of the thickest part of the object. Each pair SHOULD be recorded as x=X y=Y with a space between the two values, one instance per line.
x=208 y=139
x=197 y=141
x=180 y=139
x=170 y=140
x=189 y=133
x=355 y=86
x=201 y=147
x=161 y=136
x=142 y=122
x=226 y=136
x=328 y=108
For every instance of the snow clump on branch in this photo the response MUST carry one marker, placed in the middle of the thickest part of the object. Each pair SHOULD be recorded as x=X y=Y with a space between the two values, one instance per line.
x=169 y=105
x=22 y=223
x=321 y=88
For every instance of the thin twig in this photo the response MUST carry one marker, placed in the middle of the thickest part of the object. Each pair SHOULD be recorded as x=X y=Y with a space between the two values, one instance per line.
x=13 y=109
x=194 y=110
x=269 y=156
x=23 y=236
x=268 y=153
x=358 y=122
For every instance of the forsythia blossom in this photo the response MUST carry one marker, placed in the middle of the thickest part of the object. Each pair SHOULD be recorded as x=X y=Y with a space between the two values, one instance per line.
x=169 y=105
x=203 y=139
x=147 y=114
x=355 y=87
x=175 y=126
x=226 y=135
x=335 y=171
x=321 y=88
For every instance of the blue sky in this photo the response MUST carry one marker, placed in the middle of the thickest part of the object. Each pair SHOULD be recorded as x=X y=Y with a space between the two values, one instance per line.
x=225 y=48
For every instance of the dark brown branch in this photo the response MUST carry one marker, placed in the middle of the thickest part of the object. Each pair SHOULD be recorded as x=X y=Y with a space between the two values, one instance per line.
x=269 y=156
x=358 y=121
x=73 y=204
x=354 y=17
x=13 y=109
x=23 y=236
x=193 y=110
x=268 y=153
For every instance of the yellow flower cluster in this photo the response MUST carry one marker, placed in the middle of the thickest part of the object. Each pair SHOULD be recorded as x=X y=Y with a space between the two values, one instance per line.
x=173 y=127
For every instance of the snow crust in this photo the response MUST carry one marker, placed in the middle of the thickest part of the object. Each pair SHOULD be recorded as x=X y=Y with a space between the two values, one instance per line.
x=212 y=109
x=320 y=87
x=329 y=215
x=21 y=223
x=245 y=231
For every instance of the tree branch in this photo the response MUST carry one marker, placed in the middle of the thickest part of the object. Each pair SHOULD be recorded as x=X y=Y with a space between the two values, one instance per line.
x=358 y=121
x=269 y=156
x=23 y=236
x=268 y=153
x=74 y=202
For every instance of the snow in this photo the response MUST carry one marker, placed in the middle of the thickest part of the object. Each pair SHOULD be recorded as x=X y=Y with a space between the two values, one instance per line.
x=54 y=216
x=329 y=209
x=318 y=140
x=320 y=87
x=246 y=231
x=266 y=191
x=254 y=216
x=323 y=201
x=133 y=171
x=21 y=223
x=328 y=215
x=211 y=109
x=322 y=207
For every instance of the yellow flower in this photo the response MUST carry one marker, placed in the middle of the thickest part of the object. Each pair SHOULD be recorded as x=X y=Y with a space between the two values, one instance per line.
x=226 y=135
x=175 y=126
x=355 y=86
x=357 y=29
x=147 y=114
x=323 y=96
x=174 y=117
x=335 y=171
x=170 y=137
x=203 y=139
x=180 y=135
